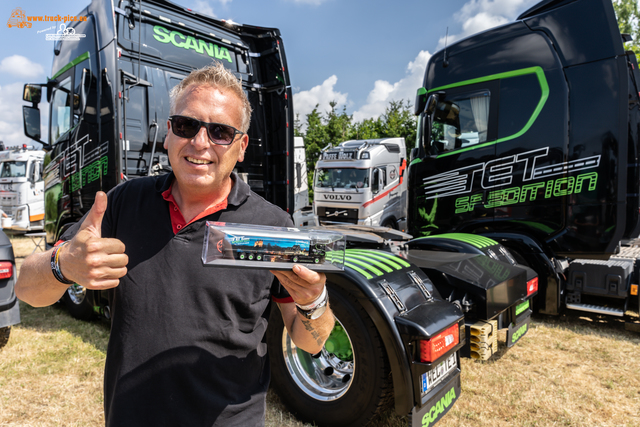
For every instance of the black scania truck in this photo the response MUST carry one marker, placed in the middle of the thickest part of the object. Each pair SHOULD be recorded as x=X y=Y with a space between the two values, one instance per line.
x=529 y=136
x=396 y=339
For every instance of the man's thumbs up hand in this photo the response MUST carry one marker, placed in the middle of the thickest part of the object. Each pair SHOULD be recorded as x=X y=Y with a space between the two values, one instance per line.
x=88 y=259
x=93 y=221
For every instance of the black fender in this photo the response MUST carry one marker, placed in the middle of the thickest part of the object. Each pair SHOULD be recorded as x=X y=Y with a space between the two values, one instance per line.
x=540 y=258
x=399 y=308
x=474 y=270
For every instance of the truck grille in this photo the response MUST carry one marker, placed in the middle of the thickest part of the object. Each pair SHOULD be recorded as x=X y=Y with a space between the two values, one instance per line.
x=326 y=214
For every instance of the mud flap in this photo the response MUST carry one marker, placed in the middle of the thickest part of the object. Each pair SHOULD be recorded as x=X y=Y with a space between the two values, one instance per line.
x=438 y=405
x=515 y=332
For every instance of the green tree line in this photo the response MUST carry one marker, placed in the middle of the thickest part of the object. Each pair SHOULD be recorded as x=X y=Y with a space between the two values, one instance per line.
x=629 y=23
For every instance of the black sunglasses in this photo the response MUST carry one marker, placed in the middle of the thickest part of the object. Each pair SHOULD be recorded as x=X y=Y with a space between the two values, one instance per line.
x=188 y=127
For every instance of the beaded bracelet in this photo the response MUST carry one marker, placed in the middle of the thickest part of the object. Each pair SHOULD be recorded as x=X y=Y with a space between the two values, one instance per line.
x=55 y=265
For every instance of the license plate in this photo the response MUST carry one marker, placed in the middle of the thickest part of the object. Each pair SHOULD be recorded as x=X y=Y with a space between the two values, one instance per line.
x=432 y=378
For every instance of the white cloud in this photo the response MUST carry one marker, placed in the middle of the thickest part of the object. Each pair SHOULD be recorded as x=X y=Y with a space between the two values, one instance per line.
x=480 y=15
x=20 y=66
x=304 y=102
x=11 y=127
x=384 y=92
x=203 y=6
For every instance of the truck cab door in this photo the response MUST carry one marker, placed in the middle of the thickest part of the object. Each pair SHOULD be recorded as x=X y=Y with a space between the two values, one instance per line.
x=446 y=180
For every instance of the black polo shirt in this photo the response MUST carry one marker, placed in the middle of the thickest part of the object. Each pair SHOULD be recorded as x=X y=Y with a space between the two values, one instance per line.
x=187 y=344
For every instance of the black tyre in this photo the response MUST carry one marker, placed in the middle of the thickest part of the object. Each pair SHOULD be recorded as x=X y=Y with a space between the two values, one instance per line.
x=4 y=335
x=347 y=384
x=79 y=302
x=259 y=257
x=295 y=258
x=242 y=255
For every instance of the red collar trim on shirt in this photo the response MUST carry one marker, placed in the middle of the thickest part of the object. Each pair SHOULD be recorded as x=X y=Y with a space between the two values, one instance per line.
x=177 y=220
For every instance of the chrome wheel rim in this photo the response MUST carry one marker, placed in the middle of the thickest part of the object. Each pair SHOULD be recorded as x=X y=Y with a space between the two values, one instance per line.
x=77 y=293
x=324 y=376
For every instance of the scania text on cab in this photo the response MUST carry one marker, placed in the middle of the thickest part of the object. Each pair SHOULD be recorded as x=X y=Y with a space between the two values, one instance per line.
x=362 y=182
x=22 y=189
x=529 y=134
x=109 y=103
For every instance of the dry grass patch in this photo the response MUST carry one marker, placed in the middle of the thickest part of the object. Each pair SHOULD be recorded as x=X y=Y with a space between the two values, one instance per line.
x=52 y=371
x=565 y=372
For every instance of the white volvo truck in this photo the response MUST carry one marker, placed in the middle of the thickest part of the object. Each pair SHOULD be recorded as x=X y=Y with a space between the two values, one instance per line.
x=22 y=189
x=362 y=182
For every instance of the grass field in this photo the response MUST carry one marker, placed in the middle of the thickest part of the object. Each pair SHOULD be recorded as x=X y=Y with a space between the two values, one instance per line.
x=567 y=371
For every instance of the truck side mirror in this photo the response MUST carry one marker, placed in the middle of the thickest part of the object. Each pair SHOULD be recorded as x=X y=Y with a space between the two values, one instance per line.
x=431 y=104
x=414 y=154
x=375 y=180
x=32 y=93
x=421 y=101
x=31 y=121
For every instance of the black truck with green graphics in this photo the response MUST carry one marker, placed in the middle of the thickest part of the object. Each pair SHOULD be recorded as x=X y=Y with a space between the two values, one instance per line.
x=529 y=135
x=399 y=333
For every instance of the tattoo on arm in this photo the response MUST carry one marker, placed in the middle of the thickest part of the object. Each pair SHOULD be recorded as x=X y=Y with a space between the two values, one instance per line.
x=307 y=326
x=311 y=329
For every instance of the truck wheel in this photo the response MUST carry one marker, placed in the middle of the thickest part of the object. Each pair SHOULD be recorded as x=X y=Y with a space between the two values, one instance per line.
x=390 y=224
x=4 y=335
x=295 y=258
x=78 y=301
x=348 y=383
x=258 y=257
x=242 y=255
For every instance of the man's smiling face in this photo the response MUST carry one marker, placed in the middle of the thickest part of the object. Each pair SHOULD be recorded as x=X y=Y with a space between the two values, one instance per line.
x=200 y=166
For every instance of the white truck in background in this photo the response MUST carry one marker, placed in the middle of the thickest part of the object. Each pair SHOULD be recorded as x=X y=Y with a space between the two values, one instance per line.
x=303 y=210
x=362 y=182
x=22 y=189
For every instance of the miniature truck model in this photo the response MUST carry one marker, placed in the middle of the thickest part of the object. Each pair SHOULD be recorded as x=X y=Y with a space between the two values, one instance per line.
x=362 y=182
x=108 y=100
x=276 y=249
x=22 y=189
x=528 y=135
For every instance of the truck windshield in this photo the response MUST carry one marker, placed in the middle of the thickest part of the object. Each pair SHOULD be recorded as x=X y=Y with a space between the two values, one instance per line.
x=342 y=178
x=12 y=169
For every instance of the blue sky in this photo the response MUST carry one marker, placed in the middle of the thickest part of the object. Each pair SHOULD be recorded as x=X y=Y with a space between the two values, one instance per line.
x=361 y=54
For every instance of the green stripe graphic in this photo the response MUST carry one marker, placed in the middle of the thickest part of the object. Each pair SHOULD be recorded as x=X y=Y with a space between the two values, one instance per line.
x=479 y=242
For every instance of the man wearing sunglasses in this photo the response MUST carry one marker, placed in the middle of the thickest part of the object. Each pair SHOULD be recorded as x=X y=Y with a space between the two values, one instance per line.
x=187 y=344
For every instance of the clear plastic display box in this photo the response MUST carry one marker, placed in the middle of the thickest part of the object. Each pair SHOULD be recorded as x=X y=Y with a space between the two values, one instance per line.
x=273 y=248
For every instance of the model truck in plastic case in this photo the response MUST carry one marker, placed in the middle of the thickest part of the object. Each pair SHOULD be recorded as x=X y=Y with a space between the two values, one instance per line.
x=253 y=246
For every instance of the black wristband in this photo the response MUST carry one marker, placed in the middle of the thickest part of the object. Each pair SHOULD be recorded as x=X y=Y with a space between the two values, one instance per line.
x=55 y=265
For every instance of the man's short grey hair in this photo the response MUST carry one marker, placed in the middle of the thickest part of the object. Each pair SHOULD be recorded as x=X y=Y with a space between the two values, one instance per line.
x=217 y=76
